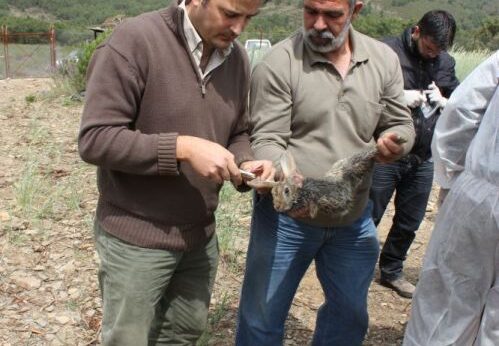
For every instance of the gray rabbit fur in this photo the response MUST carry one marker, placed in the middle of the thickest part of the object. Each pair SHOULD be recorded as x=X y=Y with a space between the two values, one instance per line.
x=333 y=194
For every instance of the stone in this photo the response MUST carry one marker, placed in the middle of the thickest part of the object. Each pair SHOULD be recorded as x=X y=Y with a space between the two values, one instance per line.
x=26 y=281
x=62 y=319
x=4 y=216
x=74 y=292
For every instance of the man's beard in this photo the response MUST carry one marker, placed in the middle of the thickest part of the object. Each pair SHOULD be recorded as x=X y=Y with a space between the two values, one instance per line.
x=332 y=42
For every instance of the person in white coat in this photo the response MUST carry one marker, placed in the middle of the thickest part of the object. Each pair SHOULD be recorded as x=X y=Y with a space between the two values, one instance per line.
x=457 y=297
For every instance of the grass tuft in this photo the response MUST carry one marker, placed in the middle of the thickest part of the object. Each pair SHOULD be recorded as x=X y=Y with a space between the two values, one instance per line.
x=466 y=61
x=233 y=218
x=218 y=312
x=30 y=98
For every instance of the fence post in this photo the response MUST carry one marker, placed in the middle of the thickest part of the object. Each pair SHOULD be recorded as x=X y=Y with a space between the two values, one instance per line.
x=52 y=48
x=5 y=39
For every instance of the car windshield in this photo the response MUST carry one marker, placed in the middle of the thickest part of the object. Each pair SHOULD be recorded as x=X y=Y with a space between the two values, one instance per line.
x=257 y=44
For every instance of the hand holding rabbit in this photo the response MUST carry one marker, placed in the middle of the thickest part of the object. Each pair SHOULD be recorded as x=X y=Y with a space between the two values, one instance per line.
x=389 y=147
x=335 y=192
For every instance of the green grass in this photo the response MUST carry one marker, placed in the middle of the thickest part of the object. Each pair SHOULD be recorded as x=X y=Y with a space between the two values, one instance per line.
x=17 y=237
x=44 y=189
x=63 y=89
x=466 y=61
x=30 y=98
x=218 y=312
x=233 y=217
x=72 y=305
x=27 y=188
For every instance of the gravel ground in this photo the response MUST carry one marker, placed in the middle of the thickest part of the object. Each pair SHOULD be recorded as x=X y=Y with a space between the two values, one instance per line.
x=48 y=286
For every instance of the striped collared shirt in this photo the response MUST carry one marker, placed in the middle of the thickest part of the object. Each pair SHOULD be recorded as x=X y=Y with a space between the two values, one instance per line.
x=195 y=44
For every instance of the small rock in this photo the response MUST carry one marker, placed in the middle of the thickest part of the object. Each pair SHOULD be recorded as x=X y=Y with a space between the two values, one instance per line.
x=57 y=285
x=90 y=313
x=31 y=232
x=68 y=267
x=57 y=341
x=61 y=319
x=56 y=256
x=18 y=224
x=25 y=281
x=42 y=323
x=4 y=216
x=74 y=292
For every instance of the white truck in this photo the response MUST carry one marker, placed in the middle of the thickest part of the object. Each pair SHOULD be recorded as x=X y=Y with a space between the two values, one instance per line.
x=260 y=44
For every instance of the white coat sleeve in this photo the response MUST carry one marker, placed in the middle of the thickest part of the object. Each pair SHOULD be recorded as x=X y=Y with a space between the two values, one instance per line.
x=460 y=120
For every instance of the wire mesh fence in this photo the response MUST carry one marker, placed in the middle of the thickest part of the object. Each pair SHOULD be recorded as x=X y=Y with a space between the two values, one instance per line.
x=27 y=54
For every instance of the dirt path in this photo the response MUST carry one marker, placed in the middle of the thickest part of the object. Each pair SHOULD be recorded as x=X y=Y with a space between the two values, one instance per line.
x=48 y=287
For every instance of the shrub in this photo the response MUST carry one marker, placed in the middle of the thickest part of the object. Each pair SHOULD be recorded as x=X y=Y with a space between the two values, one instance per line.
x=77 y=72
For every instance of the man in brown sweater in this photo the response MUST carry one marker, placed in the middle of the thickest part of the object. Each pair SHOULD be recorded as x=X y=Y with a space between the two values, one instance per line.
x=165 y=122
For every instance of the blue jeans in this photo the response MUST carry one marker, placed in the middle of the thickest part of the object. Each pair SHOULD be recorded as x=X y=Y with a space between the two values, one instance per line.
x=412 y=183
x=280 y=251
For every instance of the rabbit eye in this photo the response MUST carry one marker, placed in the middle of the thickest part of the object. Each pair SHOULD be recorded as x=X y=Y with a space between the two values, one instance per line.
x=286 y=190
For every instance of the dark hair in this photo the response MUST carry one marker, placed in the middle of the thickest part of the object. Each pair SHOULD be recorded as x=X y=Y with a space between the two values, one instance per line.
x=440 y=26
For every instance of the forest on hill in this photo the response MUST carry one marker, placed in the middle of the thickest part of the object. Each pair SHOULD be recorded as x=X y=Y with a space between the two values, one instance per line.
x=478 y=20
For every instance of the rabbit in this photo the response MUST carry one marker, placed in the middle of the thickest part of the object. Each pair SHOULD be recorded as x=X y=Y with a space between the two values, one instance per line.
x=333 y=194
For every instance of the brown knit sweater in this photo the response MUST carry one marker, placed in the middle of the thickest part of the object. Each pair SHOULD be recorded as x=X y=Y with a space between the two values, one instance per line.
x=142 y=92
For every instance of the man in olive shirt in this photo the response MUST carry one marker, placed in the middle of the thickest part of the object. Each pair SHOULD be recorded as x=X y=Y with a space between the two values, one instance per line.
x=323 y=94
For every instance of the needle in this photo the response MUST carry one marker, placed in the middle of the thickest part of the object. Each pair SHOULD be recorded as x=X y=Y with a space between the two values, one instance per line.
x=247 y=175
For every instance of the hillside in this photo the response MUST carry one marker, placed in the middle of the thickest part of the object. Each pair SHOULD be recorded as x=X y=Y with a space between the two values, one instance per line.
x=89 y=12
x=469 y=13
x=478 y=20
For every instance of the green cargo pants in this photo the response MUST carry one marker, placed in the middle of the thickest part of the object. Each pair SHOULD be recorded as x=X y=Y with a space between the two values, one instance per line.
x=152 y=296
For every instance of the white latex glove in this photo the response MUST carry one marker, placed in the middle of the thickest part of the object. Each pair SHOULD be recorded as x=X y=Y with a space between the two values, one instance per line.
x=435 y=96
x=414 y=98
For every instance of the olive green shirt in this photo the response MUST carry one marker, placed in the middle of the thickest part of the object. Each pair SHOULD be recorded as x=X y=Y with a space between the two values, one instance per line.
x=300 y=103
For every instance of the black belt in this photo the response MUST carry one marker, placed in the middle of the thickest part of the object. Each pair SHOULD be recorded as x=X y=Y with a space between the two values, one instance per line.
x=412 y=159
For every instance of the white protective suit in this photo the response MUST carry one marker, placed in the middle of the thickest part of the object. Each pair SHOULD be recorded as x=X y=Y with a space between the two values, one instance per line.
x=457 y=297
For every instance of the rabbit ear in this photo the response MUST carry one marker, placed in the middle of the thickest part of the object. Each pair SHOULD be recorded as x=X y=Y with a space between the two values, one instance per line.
x=258 y=184
x=297 y=179
x=288 y=164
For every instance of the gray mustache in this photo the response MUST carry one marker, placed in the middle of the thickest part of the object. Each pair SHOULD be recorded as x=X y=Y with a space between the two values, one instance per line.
x=320 y=34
